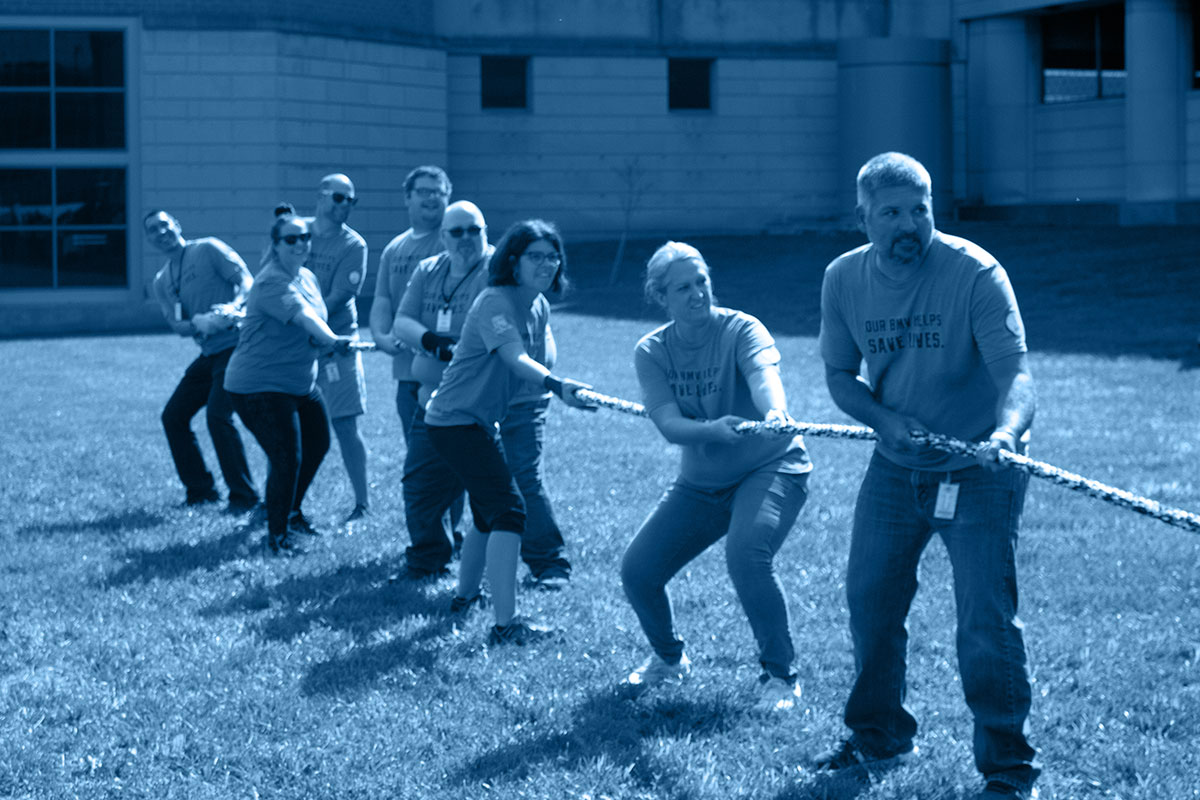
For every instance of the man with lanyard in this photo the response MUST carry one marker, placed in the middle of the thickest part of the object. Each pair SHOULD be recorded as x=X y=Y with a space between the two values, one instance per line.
x=936 y=321
x=429 y=320
x=201 y=289
x=339 y=260
x=426 y=192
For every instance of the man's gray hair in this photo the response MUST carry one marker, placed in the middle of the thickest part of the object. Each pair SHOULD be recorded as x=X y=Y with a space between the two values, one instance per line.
x=891 y=169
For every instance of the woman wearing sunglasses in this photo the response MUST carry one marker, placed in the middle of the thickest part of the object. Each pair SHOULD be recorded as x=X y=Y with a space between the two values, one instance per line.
x=502 y=349
x=703 y=373
x=272 y=375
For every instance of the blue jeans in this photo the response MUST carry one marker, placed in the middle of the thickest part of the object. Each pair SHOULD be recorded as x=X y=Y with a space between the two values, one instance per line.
x=523 y=432
x=407 y=404
x=757 y=514
x=477 y=456
x=203 y=386
x=893 y=522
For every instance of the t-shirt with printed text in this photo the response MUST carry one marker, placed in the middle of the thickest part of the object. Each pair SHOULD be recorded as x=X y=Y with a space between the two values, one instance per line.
x=927 y=340
x=477 y=385
x=274 y=354
x=707 y=381
x=396 y=265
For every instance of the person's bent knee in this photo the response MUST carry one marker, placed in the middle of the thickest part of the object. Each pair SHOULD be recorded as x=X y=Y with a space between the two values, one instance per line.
x=512 y=521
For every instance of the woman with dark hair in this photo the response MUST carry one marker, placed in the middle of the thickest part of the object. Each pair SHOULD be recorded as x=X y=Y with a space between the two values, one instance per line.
x=272 y=375
x=502 y=347
x=703 y=373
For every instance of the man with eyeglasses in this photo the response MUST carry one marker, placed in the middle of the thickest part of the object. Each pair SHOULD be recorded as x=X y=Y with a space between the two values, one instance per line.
x=201 y=289
x=429 y=319
x=339 y=260
x=426 y=192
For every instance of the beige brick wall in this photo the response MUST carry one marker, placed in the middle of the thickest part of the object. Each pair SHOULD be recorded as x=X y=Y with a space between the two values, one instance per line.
x=764 y=157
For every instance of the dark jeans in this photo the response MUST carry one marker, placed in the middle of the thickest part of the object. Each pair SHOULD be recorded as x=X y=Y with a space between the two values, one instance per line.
x=407 y=404
x=893 y=522
x=294 y=432
x=433 y=501
x=203 y=386
x=477 y=457
x=523 y=432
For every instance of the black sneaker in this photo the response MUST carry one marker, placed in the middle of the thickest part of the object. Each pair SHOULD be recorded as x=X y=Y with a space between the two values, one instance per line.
x=419 y=574
x=359 y=513
x=1003 y=790
x=283 y=545
x=211 y=496
x=518 y=632
x=461 y=605
x=848 y=754
x=298 y=523
x=238 y=507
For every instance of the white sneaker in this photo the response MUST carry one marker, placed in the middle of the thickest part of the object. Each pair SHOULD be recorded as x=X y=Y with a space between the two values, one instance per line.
x=656 y=671
x=776 y=694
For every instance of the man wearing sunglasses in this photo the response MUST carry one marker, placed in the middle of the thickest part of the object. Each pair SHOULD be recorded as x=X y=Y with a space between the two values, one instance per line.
x=426 y=192
x=339 y=260
x=200 y=288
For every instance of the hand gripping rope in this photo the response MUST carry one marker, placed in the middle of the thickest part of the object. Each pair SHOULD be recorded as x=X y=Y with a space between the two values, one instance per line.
x=1040 y=469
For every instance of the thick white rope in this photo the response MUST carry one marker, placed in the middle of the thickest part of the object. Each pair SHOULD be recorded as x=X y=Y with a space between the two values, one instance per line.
x=1178 y=517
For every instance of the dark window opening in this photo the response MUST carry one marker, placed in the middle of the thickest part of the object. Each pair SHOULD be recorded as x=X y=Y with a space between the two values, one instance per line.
x=1083 y=54
x=689 y=84
x=504 y=82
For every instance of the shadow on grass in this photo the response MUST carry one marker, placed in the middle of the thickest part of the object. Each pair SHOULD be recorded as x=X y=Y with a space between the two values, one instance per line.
x=612 y=726
x=177 y=560
x=136 y=519
x=360 y=600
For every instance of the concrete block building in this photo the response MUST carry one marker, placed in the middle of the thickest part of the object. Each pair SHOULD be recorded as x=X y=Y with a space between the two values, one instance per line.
x=657 y=116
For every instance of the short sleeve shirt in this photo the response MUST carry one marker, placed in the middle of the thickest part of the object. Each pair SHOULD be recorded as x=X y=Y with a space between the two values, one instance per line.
x=477 y=385
x=926 y=341
x=274 y=353
x=433 y=296
x=396 y=265
x=209 y=273
x=707 y=381
x=339 y=261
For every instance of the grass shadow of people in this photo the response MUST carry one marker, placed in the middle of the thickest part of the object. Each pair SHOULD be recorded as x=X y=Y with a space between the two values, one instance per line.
x=177 y=560
x=118 y=522
x=614 y=725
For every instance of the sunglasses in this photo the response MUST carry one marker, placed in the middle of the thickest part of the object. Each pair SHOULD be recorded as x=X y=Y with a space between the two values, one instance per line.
x=425 y=193
x=339 y=198
x=457 y=233
x=537 y=258
x=292 y=238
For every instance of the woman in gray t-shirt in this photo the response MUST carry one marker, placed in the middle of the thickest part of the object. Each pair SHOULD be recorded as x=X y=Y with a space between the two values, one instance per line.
x=703 y=373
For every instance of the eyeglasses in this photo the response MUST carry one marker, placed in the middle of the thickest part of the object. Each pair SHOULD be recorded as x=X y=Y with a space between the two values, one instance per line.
x=340 y=197
x=537 y=258
x=425 y=193
x=292 y=238
x=457 y=233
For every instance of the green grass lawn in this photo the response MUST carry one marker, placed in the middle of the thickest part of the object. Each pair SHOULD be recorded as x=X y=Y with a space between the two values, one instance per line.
x=149 y=651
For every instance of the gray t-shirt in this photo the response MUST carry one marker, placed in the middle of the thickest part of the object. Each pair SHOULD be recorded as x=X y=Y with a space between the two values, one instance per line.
x=708 y=381
x=339 y=261
x=396 y=265
x=477 y=386
x=209 y=273
x=274 y=354
x=926 y=341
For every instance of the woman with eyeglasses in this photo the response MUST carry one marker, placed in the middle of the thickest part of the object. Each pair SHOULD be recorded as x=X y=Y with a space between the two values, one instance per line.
x=272 y=374
x=502 y=349
x=702 y=373
x=429 y=320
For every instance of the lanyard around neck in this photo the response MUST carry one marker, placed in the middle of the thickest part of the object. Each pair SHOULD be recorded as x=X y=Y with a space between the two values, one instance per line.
x=446 y=299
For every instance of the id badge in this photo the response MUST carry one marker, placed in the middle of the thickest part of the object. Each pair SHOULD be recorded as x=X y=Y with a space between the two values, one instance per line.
x=947 y=501
x=443 y=320
x=332 y=373
x=178 y=312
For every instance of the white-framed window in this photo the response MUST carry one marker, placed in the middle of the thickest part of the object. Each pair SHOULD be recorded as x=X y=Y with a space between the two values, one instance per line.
x=65 y=131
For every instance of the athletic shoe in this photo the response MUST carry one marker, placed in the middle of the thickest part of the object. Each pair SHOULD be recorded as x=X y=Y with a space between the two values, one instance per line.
x=776 y=694
x=1002 y=790
x=655 y=671
x=551 y=583
x=211 y=496
x=848 y=754
x=461 y=605
x=418 y=574
x=359 y=513
x=518 y=632
x=298 y=523
x=237 y=508
x=283 y=545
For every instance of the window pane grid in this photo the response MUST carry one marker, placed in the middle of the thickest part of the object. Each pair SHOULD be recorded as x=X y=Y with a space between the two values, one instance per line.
x=1083 y=55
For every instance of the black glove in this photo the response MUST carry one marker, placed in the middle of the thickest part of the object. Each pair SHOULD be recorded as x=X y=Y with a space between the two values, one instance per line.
x=440 y=347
